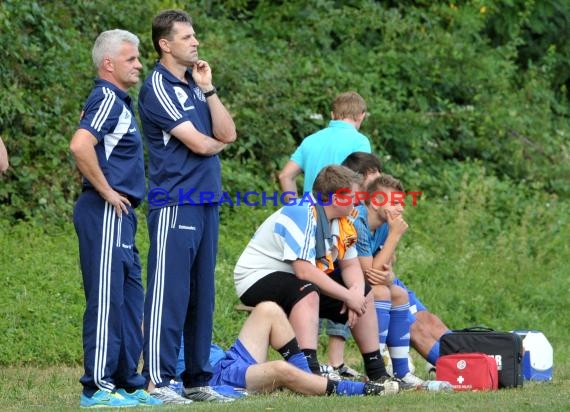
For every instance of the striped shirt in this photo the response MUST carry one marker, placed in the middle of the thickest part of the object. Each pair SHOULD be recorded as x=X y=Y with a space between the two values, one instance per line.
x=285 y=236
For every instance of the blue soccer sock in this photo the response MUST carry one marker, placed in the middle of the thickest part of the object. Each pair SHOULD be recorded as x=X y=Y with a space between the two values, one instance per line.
x=399 y=339
x=349 y=388
x=433 y=354
x=300 y=361
x=383 y=315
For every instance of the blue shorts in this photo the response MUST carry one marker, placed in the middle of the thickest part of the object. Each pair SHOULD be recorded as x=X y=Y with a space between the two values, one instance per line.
x=231 y=369
x=416 y=305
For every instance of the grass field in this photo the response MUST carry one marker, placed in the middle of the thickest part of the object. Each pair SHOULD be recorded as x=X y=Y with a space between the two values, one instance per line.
x=473 y=259
x=56 y=388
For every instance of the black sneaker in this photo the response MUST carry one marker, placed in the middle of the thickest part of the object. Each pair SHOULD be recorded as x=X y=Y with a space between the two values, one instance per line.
x=404 y=386
x=347 y=372
x=379 y=389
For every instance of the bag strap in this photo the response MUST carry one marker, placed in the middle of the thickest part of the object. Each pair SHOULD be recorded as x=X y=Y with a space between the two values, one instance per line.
x=478 y=328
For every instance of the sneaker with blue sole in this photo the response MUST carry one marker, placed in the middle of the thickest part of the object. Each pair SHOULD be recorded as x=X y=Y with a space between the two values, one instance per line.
x=106 y=399
x=141 y=396
x=230 y=391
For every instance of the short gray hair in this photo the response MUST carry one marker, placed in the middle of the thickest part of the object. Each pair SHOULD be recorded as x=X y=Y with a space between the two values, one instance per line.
x=109 y=42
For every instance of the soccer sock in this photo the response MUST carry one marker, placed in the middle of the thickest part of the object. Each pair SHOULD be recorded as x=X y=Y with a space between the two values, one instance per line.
x=383 y=315
x=349 y=388
x=374 y=365
x=399 y=339
x=300 y=361
x=433 y=354
x=311 y=356
x=289 y=349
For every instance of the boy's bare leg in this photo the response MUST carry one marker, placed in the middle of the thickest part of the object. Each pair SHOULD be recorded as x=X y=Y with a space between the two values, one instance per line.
x=425 y=331
x=268 y=376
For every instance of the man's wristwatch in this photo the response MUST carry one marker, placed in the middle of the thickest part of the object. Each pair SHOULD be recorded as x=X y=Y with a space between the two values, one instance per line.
x=210 y=93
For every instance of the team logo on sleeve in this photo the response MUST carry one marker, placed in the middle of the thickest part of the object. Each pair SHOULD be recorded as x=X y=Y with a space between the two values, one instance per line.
x=183 y=98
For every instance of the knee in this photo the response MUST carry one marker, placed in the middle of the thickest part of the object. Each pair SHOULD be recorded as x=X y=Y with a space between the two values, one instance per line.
x=381 y=292
x=399 y=295
x=268 y=308
x=285 y=370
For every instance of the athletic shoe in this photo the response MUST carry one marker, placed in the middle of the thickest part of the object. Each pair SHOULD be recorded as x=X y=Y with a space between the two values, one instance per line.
x=141 y=396
x=413 y=379
x=328 y=371
x=177 y=387
x=387 y=388
x=347 y=372
x=106 y=399
x=168 y=396
x=205 y=394
x=430 y=369
x=230 y=391
x=387 y=362
x=404 y=386
x=411 y=366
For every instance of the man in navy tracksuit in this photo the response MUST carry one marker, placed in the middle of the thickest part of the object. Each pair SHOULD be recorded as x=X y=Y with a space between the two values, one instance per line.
x=185 y=125
x=108 y=151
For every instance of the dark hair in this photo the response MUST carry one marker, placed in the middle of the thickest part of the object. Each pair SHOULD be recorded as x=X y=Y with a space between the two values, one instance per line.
x=163 y=23
x=333 y=178
x=362 y=163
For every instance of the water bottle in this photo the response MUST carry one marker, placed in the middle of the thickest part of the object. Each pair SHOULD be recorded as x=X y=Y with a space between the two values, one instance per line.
x=436 y=386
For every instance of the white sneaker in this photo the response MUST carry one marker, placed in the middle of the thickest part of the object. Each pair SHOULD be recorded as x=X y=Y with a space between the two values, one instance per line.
x=169 y=396
x=205 y=394
x=386 y=388
x=411 y=365
x=387 y=362
x=412 y=379
x=328 y=371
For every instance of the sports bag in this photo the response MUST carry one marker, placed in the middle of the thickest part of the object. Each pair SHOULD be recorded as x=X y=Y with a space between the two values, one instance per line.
x=505 y=347
x=468 y=371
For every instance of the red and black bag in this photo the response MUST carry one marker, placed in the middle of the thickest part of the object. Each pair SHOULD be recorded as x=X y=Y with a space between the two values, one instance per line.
x=505 y=347
x=468 y=371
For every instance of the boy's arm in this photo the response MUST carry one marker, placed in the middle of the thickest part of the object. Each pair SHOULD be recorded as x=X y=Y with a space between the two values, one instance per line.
x=397 y=227
x=353 y=297
x=287 y=179
x=352 y=274
x=3 y=157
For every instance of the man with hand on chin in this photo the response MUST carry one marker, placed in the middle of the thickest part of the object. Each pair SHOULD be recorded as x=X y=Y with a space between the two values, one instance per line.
x=185 y=125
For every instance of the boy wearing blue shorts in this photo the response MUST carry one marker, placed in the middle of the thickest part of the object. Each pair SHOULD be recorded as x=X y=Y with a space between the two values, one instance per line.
x=245 y=364
x=380 y=226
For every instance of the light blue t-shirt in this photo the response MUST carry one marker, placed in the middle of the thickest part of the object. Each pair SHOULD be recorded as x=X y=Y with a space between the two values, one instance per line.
x=368 y=244
x=328 y=146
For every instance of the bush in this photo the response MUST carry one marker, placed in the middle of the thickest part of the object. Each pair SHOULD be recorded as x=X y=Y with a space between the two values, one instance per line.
x=444 y=83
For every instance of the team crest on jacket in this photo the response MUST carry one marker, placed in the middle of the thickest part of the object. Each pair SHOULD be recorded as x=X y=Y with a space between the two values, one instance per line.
x=183 y=98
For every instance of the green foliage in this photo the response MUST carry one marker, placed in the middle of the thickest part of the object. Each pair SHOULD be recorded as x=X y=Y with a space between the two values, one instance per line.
x=445 y=84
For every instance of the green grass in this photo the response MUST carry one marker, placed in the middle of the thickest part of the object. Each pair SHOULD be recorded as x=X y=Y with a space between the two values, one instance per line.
x=487 y=254
x=56 y=388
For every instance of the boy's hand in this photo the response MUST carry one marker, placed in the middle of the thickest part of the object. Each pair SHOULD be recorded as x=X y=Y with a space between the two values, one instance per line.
x=396 y=223
x=380 y=277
